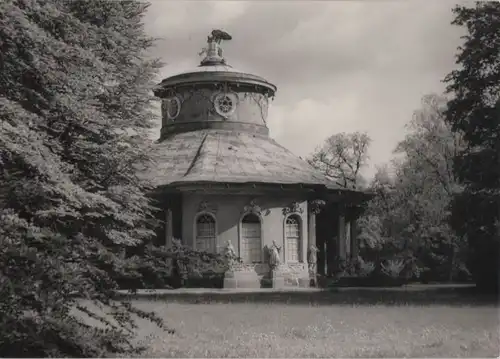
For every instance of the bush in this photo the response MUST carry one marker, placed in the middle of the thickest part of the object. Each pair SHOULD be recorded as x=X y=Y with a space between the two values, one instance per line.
x=365 y=268
x=206 y=280
x=355 y=267
x=175 y=267
x=392 y=268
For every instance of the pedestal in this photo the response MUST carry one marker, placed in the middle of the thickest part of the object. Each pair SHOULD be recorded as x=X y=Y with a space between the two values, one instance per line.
x=313 y=276
x=277 y=279
x=304 y=282
x=241 y=279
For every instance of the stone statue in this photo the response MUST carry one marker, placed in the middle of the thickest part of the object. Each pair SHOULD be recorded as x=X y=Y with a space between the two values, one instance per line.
x=274 y=256
x=230 y=254
x=213 y=41
x=312 y=258
x=218 y=36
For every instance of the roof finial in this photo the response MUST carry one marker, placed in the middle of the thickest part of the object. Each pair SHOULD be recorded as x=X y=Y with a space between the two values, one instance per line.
x=213 y=52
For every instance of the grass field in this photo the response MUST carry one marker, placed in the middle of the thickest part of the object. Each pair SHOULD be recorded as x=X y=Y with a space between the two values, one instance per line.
x=297 y=328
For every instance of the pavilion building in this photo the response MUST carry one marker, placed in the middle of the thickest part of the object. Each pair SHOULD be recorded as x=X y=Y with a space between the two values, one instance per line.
x=222 y=178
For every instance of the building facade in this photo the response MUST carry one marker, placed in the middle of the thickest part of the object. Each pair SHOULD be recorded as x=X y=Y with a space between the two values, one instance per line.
x=222 y=178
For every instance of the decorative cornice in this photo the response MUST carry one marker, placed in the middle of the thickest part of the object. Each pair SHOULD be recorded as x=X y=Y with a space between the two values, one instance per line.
x=316 y=205
x=294 y=207
x=253 y=207
x=207 y=207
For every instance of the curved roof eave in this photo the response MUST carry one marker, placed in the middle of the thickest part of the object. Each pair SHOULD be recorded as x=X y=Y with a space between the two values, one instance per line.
x=212 y=77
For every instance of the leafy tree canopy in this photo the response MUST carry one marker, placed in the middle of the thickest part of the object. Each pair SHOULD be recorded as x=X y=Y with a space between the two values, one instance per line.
x=341 y=158
x=75 y=108
x=474 y=111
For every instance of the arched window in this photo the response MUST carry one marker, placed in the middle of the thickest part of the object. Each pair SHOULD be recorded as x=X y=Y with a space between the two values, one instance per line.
x=251 y=241
x=293 y=238
x=206 y=236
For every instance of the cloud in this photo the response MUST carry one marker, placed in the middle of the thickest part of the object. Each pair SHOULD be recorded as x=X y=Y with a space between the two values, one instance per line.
x=339 y=66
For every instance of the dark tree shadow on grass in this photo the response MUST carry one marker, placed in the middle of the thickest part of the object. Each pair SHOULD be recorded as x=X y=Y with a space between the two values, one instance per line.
x=451 y=296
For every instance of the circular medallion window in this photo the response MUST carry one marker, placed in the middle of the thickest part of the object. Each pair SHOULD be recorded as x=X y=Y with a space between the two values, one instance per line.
x=225 y=104
x=172 y=107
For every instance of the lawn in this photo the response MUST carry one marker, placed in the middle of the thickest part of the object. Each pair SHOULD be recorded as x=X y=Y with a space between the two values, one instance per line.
x=317 y=328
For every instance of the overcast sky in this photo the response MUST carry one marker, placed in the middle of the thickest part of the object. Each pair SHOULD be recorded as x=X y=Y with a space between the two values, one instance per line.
x=340 y=66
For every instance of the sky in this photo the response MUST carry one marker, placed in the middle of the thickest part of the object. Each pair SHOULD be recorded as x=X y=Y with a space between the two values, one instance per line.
x=340 y=66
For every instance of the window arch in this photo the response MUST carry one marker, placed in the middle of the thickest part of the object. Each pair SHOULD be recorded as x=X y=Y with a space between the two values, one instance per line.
x=293 y=238
x=251 y=239
x=205 y=233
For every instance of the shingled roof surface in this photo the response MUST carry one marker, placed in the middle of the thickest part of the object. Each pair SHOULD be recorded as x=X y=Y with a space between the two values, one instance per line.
x=230 y=157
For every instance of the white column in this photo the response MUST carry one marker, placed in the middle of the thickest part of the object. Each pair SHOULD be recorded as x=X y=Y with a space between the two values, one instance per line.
x=341 y=237
x=168 y=227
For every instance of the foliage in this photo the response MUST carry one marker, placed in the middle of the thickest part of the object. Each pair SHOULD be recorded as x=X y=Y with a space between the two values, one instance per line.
x=365 y=268
x=341 y=158
x=173 y=266
x=354 y=267
x=409 y=214
x=474 y=112
x=75 y=105
x=393 y=267
x=425 y=174
x=195 y=263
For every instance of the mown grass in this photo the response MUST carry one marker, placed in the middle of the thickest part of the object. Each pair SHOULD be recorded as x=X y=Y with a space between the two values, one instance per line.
x=319 y=329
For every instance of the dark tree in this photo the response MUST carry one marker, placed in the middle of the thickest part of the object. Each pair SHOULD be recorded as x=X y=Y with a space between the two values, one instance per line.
x=474 y=111
x=75 y=110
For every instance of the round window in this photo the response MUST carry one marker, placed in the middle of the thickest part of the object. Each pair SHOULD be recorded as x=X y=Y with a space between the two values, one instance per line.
x=225 y=104
x=172 y=107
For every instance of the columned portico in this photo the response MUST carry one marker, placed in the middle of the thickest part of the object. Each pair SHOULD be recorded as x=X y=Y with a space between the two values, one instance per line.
x=314 y=208
x=352 y=214
x=332 y=224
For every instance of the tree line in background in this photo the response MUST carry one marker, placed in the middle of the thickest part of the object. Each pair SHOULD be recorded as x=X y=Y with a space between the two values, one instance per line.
x=407 y=219
x=75 y=106
x=436 y=206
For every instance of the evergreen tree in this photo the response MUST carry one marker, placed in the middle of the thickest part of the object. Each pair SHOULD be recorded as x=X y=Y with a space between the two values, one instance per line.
x=75 y=109
x=475 y=112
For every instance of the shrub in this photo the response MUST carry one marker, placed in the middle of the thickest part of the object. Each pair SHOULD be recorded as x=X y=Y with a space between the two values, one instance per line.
x=392 y=267
x=355 y=267
x=165 y=267
x=365 y=269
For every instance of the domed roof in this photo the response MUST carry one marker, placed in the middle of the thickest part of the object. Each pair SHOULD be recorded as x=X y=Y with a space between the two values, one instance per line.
x=204 y=141
x=221 y=156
